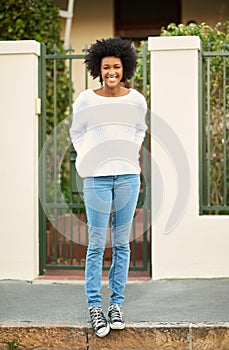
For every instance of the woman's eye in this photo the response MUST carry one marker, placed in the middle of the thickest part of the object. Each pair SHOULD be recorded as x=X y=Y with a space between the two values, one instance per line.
x=115 y=67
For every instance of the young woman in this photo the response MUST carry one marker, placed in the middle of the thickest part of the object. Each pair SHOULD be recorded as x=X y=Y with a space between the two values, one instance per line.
x=107 y=131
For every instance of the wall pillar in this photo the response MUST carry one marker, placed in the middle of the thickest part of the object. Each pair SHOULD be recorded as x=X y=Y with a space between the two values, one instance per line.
x=19 y=159
x=195 y=246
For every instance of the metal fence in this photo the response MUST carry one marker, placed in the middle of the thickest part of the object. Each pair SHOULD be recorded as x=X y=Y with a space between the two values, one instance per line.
x=214 y=124
x=63 y=229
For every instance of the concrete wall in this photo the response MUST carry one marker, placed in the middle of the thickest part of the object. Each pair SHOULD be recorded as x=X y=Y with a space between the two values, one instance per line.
x=197 y=246
x=19 y=160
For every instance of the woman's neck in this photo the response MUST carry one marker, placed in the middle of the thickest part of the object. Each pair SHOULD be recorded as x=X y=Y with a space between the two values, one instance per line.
x=115 y=92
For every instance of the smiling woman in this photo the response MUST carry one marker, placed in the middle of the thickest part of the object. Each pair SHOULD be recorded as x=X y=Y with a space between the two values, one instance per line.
x=107 y=132
x=114 y=61
x=111 y=47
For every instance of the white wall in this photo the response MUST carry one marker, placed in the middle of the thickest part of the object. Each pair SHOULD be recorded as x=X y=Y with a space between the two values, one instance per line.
x=19 y=160
x=198 y=245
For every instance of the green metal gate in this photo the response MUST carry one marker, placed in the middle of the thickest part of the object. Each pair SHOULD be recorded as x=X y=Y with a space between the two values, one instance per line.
x=63 y=229
x=214 y=145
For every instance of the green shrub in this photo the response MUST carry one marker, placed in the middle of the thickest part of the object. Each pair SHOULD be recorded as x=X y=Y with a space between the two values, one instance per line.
x=30 y=19
x=212 y=38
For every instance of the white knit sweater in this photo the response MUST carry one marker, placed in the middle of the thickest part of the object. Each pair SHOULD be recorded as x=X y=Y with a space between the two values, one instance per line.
x=107 y=133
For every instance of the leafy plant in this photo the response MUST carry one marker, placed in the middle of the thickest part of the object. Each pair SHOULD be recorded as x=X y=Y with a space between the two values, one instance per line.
x=12 y=345
x=212 y=38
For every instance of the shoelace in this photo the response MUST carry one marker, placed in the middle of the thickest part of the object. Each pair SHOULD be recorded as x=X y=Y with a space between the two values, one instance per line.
x=97 y=317
x=115 y=313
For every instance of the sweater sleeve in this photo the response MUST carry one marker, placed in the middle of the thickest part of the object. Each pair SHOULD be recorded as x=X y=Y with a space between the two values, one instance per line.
x=140 y=133
x=79 y=124
x=141 y=126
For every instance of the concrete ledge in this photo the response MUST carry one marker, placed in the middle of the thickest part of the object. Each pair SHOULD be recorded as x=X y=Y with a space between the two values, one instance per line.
x=168 y=43
x=19 y=47
x=136 y=336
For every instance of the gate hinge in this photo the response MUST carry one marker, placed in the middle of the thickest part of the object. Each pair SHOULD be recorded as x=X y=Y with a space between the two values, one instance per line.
x=38 y=106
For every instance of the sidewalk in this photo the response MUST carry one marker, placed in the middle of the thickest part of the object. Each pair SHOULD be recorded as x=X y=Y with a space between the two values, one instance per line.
x=165 y=314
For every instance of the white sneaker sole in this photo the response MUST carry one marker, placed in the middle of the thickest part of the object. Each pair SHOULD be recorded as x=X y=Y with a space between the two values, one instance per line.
x=113 y=326
x=104 y=333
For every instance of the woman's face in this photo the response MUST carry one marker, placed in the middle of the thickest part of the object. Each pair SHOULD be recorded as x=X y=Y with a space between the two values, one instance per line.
x=111 y=71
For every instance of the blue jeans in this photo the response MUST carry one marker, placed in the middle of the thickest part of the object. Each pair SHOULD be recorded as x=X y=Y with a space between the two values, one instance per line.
x=106 y=196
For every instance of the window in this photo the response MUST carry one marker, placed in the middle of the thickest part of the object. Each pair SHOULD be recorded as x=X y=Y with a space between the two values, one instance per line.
x=140 y=19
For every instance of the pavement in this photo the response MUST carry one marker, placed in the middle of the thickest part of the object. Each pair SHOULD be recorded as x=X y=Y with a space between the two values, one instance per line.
x=191 y=300
x=148 y=304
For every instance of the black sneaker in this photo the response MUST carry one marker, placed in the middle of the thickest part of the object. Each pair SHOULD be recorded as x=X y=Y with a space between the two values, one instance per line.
x=115 y=317
x=98 y=321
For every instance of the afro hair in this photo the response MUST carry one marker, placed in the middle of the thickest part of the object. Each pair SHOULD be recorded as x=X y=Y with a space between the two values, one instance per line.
x=111 y=47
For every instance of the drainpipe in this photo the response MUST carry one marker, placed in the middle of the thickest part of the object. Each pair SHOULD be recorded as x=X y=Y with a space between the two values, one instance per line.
x=68 y=15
